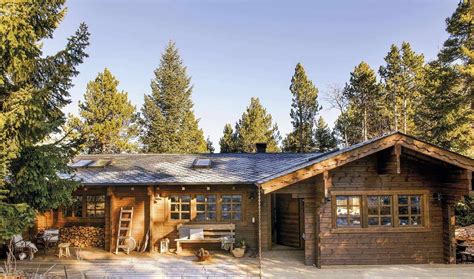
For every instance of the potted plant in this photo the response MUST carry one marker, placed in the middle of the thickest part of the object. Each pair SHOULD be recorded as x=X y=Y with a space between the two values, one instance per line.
x=239 y=251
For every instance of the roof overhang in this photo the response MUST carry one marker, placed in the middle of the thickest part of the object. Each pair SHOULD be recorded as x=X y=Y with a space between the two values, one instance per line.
x=344 y=156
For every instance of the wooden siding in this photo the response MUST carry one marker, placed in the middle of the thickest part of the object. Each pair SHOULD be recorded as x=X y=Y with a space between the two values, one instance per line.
x=372 y=247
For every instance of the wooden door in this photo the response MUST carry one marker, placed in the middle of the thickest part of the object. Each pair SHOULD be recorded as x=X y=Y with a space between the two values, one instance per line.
x=288 y=221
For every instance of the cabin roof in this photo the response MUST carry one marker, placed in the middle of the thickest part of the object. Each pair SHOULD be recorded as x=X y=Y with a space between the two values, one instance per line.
x=241 y=168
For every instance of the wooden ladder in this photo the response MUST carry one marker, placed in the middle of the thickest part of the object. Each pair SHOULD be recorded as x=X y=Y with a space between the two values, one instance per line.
x=124 y=229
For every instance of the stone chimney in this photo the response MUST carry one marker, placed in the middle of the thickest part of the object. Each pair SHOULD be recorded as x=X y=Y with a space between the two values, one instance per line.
x=261 y=147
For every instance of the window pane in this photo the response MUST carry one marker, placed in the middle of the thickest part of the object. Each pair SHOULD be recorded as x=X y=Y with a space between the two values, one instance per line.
x=373 y=221
x=226 y=215
x=211 y=207
x=226 y=207
x=201 y=216
x=386 y=221
x=237 y=207
x=185 y=198
x=236 y=216
x=355 y=211
x=211 y=198
x=403 y=210
x=211 y=216
x=372 y=201
x=341 y=222
x=341 y=211
x=373 y=211
x=174 y=198
x=99 y=213
x=354 y=200
x=341 y=200
x=200 y=207
x=226 y=198
x=385 y=200
x=415 y=200
x=403 y=221
x=185 y=216
x=200 y=198
x=185 y=207
x=175 y=216
x=415 y=209
x=385 y=210
x=402 y=199
x=354 y=221
x=236 y=198
x=416 y=220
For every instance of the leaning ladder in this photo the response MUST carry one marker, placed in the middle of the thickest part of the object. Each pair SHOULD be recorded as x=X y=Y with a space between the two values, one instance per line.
x=124 y=229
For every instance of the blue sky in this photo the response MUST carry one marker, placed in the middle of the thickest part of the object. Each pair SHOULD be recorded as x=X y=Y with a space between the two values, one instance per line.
x=236 y=49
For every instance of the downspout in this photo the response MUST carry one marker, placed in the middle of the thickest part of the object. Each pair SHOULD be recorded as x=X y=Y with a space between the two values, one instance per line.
x=259 y=230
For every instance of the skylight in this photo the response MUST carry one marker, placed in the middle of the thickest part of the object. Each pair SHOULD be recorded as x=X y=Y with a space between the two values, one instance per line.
x=81 y=163
x=99 y=163
x=202 y=163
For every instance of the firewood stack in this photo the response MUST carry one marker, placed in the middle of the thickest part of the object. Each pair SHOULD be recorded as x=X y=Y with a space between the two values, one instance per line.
x=80 y=236
x=466 y=234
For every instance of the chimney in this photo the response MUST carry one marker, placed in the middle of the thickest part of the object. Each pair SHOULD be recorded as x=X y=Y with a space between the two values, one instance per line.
x=261 y=147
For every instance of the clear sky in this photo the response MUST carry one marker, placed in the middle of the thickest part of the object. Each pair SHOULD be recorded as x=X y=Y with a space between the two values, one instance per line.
x=236 y=49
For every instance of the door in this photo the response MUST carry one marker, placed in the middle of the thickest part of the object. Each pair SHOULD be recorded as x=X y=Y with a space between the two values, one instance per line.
x=288 y=220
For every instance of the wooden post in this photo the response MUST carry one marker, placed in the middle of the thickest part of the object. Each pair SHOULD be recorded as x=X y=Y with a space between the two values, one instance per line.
x=398 y=152
x=327 y=184
x=151 y=195
x=109 y=228
x=469 y=180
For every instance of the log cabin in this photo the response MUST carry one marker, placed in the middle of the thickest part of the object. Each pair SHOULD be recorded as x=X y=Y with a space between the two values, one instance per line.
x=389 y=200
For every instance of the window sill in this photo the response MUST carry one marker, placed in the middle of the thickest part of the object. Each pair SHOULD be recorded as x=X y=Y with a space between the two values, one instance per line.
x=381 y=230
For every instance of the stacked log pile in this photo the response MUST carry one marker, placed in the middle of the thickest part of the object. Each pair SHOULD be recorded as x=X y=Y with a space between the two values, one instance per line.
x=80 y=236
x=466 y=234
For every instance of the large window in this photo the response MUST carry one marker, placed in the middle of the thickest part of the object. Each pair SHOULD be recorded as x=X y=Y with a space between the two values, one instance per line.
x=409 y=210
x=74 y=209
x=348 y=211
x=206 y=207
x=231 y=207
x=379 y=211
x=180 y=207
x=95 y=206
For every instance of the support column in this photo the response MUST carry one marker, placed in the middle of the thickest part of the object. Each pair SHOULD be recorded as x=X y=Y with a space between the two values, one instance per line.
x=109 y=220
x=149 y=217
x=449 y=240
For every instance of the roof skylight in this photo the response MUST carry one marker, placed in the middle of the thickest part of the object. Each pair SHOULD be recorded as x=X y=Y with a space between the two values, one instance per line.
x=202 y=163
x=99 y=163
x=80 y=163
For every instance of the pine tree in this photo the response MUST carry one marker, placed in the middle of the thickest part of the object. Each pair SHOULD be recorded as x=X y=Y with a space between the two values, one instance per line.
x=323 y=137
x=254 y=127
x=364 y=98
x=402 y=76
x=168 y=119
x=108 y=119
x=445 y=116
x=33 y=90
x=304 y=109
x=228 y=142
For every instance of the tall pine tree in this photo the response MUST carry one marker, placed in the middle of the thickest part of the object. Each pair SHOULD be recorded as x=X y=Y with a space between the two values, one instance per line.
x=364 y=98
x=169 y=124
x=33 y=90
x=304 y=109
x=256 y=126
x=323 y=137
x=108 y=118
x=446 y=114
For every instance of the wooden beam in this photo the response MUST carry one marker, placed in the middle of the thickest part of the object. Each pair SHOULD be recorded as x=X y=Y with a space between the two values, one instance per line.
x=398 y=152
x=327 y=184
x=469 y=180
x=329 y=164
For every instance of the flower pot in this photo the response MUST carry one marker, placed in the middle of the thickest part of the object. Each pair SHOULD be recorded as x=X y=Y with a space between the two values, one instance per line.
x=238 y=252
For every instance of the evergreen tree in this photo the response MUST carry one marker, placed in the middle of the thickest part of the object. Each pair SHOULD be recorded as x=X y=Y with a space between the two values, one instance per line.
x=402 y=76
x=364 y=98
x=210 y=145
x=33 y=90
x=323 y=137
x=108 y=119
x=445 y=116
x=228 y=142
x=168 y=119
x=304 y=109
x=254 y=127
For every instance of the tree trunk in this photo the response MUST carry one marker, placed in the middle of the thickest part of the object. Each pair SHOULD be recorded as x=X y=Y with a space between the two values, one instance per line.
x=364 y=129
x=395 y=112
x=404 y=114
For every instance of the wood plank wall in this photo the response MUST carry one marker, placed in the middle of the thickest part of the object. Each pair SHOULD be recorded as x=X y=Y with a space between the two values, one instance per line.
x=389 y=247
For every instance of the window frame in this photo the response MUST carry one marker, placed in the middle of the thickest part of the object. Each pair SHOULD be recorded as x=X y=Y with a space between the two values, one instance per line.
x=180 y=203
x=395 y=227
x=85 y=197
x=193 y=208
x=83 y=205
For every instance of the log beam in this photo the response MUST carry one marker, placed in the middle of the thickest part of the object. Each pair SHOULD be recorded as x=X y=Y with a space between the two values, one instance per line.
x=398 y=152
x=327 y=184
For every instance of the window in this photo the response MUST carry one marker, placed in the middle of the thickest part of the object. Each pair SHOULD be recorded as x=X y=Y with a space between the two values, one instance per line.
x=206 y=207
x=379 y=210
x=409 y=210
x=95 y=206
x=75 y=209
x=180 y=207
x=348 y=211
x=231 y=207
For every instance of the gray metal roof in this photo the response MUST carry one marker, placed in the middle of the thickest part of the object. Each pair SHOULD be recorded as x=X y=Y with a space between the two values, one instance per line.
x=154 y=169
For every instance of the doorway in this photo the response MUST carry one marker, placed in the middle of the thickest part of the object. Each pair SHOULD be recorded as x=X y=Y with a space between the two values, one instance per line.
x=288 y=221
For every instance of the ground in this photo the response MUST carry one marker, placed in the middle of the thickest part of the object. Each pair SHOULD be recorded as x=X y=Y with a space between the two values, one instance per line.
x=276 y=264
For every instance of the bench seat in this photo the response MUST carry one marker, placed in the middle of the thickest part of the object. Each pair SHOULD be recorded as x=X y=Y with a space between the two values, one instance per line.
x=213 y=233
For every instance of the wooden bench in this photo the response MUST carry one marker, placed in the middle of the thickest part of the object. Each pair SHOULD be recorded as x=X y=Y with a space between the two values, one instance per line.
x=213 y=233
